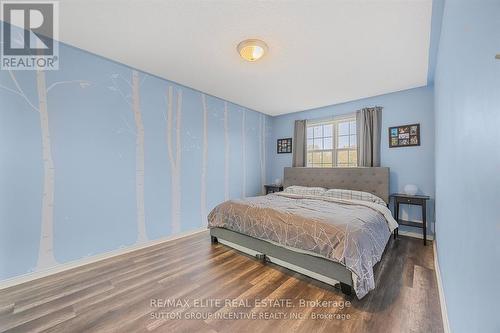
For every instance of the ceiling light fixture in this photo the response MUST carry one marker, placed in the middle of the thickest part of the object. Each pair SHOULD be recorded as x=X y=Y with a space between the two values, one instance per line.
x=252 y=49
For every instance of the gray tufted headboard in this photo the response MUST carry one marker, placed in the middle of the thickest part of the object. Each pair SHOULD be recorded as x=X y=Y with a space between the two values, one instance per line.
x=372 y=180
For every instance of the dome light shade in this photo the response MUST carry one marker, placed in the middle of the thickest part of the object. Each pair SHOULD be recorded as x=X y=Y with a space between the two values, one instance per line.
x=252 y=49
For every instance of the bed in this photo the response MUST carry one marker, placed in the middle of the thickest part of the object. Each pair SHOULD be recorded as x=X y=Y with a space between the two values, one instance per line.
x=332 y=238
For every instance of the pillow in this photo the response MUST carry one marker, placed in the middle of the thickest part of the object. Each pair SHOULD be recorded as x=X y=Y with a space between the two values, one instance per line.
x=304 y=190
x=353 y=195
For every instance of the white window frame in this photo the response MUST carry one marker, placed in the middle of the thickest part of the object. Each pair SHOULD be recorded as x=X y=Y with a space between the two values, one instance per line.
x=334 y=150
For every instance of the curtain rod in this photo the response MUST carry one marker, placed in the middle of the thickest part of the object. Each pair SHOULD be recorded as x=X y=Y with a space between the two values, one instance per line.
x=340 y=116
x=331 y=118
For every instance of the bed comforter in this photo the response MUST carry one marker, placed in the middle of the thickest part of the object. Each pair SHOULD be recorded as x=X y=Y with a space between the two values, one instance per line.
x=351 y=232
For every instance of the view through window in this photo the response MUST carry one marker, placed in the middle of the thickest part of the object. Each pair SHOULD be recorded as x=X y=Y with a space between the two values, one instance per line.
x=332 y=143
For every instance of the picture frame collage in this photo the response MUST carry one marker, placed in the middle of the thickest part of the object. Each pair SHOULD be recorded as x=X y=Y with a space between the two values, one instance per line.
x=404 y=136
x=284 y=146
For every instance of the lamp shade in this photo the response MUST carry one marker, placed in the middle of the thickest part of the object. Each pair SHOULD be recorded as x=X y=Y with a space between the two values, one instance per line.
x=410 y=189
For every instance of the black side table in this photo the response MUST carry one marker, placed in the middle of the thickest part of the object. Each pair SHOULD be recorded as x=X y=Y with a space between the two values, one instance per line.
x=419 y=200
x=273 y=188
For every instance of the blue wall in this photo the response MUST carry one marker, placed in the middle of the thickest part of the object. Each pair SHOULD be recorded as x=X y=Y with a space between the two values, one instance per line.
x=436 y=21
x=467 y=97
x=93 y=141
x=412 y=165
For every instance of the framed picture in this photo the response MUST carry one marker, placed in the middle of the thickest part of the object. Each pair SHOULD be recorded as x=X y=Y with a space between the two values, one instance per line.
x=284 y=146
x=404 y=136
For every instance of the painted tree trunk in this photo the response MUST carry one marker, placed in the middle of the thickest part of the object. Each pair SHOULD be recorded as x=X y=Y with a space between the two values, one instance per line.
x=262 y=153
x=175 y=162
x=226 y=153
x=244 y=155
x=46 y=250
x=203 y=187
x=139 y=159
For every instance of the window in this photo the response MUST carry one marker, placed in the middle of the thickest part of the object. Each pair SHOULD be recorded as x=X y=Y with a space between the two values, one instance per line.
x=332 y=143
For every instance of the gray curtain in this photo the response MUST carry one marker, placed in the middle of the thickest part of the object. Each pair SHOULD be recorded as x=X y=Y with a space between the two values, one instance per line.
x=369 y=126
x=299 y=144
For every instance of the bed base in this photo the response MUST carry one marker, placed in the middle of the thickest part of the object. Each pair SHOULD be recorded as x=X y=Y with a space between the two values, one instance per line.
x=321 y=269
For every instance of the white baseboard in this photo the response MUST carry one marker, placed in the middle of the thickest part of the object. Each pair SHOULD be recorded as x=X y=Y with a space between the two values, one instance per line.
x=414 y=234
x=442 y=301
x=90 y=260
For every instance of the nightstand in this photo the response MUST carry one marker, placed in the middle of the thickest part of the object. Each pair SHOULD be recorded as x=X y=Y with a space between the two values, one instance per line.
x=419 y=200
x=273 y=188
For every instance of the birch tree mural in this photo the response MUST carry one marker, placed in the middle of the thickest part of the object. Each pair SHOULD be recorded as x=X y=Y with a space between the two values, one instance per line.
x=139 y=158
x=138 y=132
x=226 y=153
x=262 y=141
x=203 y=189
x=46 y=251
x=46 y=256
x=244 y=155
x=175 y=161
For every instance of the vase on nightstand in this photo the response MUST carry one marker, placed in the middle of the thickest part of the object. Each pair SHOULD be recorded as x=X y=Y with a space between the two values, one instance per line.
x=410 y=189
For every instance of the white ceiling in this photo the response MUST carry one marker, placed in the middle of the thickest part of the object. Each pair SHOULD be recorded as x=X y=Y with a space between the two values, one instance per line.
x=320 y=52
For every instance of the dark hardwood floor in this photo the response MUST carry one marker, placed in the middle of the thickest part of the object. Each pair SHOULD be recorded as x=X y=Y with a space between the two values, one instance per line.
x=127 y=294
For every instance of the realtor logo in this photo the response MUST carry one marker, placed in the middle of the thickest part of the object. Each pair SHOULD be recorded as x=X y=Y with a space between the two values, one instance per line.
x=29 y=35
